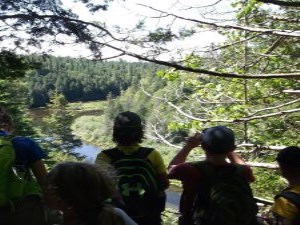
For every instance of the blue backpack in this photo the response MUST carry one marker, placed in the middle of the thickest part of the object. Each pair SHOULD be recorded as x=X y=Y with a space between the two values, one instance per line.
x=137 y=181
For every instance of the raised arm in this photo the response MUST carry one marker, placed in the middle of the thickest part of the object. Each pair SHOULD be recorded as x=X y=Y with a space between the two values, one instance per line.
x=235 y=158
x=190 y=144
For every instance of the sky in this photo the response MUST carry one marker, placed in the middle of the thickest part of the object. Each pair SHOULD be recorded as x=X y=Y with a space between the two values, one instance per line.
x=125 y=14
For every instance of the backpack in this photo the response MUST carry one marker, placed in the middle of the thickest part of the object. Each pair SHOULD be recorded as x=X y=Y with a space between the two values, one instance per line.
x=15 y=180
x=292 y=197
x=224 y=197
x=137 y=181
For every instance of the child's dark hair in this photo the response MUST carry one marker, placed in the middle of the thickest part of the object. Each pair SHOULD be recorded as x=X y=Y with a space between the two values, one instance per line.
x=289 y=157
x=86 y=189
x=128 y=129
x=218 y=140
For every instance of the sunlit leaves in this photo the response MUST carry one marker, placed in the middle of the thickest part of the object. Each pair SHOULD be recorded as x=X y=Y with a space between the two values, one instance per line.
x=247 y=9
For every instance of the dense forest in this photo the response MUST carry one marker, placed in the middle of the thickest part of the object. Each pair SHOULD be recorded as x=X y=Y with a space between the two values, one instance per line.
x=83 y=80
x=248 y=82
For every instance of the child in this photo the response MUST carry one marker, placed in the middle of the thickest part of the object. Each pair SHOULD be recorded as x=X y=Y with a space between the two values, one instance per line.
x=285 y=208
x=80 y=191
x=144 y=199
x=24 y=156
x=215 y=173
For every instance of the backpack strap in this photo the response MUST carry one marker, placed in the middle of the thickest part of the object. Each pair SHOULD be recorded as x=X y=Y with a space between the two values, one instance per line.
x=143 y=152
x=115 y=154
x=291 y=197
x=209 y=170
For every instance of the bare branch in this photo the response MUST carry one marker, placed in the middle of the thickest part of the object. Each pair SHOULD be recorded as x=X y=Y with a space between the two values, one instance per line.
x=292 y=91
x=260 y=147
x=281 y=3
x=263 y=201
x=262 y=165
x=267 y=115
x=248 y=118
x=275 y=107
x=204 y=71
x=268 y=51
x=288 y=33
x=163 y=139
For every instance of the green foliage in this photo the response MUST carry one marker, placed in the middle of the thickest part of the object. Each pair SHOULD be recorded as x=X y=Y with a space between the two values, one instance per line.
x=94 y=129
x=267 y=184
x=58 y=126
x=14 y=91
x=247 y=9
x=170 y=216
x=82 y=80
x=12 y=66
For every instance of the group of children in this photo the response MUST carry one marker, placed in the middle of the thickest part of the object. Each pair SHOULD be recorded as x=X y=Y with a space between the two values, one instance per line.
x=119 y=189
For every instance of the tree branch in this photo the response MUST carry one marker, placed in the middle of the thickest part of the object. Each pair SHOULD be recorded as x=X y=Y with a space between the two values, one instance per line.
x=267 y=115
x=275 y=107
x=56 y=18
x=288 y=33
x=204 y=71
x=248 y=118
x=260 y=147
x=281 y=3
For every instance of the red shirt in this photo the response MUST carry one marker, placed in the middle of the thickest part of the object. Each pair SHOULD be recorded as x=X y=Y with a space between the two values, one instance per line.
x=190 y=178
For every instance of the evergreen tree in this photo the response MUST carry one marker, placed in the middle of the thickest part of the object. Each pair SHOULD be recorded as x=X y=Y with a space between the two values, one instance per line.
x=58 y=125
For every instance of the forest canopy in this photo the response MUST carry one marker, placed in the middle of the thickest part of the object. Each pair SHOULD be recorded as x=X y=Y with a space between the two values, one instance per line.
x=246 y=77
x=266 y=31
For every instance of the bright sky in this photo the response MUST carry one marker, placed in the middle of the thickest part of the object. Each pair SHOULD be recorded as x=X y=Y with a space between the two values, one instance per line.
x=126 y=14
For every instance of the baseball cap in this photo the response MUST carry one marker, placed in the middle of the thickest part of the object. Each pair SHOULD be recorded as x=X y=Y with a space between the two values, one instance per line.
x=128 y=119
x=289 y=156
x=218 y=139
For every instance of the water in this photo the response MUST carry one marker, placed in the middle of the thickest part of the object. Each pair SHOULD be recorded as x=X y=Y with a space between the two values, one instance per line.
x=88 y=150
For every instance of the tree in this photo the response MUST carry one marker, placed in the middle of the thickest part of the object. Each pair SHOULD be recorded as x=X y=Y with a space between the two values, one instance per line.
x=34 y=23
x=248 y=105
x=13 y=90
x=58 y=126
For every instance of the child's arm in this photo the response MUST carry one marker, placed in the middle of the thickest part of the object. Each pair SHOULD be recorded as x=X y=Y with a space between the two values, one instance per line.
x=235 y=158
x=40 y=172
x=191 y=143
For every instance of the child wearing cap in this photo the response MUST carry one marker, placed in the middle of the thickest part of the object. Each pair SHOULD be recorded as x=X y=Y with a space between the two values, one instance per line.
x=286 y=207
x=128 y=134
x=218 y=144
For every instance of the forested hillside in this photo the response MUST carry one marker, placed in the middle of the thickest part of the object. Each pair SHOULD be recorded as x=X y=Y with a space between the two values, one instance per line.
x=248 y=82
x=83 y=80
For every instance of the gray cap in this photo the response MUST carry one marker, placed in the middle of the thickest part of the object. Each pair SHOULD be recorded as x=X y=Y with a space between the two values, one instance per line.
x=218 y=139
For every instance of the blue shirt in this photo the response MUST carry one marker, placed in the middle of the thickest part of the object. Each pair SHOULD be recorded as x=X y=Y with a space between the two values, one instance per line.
x=26 y=149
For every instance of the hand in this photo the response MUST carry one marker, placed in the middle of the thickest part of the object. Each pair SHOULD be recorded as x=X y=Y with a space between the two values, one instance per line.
x=193 y=141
